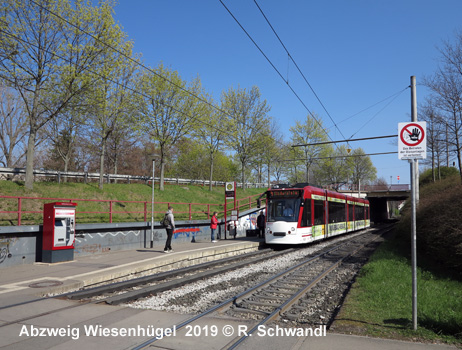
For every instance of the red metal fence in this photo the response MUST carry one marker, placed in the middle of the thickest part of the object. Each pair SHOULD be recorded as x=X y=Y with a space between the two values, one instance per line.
x=29 y=210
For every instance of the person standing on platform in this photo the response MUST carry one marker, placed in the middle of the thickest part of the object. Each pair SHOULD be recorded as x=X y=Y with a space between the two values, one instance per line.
x=213 y=226
x=170 y=228
x=261 y=224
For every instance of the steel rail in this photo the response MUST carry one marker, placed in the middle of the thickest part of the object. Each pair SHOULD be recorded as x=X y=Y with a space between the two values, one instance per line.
x=233 y=299
x=296 y=296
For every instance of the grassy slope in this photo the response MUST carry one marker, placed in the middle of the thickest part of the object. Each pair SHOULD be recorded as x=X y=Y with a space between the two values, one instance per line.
x=121 y=192
x=380 y=302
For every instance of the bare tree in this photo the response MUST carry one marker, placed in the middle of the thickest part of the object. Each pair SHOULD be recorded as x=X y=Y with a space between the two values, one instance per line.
x=13 y=128
x=446 y=87
x=436 y=136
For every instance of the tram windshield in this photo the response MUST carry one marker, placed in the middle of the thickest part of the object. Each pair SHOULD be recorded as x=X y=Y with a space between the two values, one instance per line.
x=283 y=209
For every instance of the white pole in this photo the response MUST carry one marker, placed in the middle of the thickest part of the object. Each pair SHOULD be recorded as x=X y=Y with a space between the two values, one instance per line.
x=152 y=203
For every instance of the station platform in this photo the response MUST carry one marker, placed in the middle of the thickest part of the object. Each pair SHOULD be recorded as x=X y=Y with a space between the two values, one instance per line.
x=25 y=282
x=21 y=285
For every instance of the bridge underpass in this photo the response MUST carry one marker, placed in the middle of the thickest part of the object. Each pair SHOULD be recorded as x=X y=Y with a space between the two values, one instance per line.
x=383 y=199
x=382 y=203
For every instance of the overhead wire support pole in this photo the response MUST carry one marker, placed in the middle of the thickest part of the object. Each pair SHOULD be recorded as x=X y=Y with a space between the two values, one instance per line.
x=349 y=140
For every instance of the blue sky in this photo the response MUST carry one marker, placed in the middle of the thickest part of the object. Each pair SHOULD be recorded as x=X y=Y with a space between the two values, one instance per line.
x=353 y=53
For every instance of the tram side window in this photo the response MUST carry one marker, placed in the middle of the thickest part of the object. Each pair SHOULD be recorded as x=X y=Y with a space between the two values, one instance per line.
x=306 y=217
x=350 y=212
x=318 y=212
x=359 y=212
x=336 y=212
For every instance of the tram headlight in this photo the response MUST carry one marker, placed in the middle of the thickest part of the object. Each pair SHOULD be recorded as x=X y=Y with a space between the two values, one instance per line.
x=292 y=229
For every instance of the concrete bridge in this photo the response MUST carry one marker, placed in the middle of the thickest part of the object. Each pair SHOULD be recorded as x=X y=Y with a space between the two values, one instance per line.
x=383 y=199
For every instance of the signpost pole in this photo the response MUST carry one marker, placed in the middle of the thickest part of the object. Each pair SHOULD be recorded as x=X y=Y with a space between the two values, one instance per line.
x=152 y=204
x=415 y=200
x=230 y=192
x=414 y=119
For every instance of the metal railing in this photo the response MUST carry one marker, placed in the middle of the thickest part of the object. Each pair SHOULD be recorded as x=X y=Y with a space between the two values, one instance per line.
x=29 y=210
x=86 y=176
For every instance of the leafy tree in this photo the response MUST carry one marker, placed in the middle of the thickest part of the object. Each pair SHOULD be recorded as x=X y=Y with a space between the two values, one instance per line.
x=426 y=176
x=111 y=98
x=211 y=131
x=335 y=169
x=309 y=132
x=121 y=148
x=62 y=133
x=362 y=168
x=270 y=150
x=280 y=164
x=193 y=160
x=46 y=59
x=167 y=109
x=249 y=120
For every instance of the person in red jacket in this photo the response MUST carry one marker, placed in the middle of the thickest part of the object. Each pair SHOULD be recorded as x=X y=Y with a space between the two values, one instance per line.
x=213 y=226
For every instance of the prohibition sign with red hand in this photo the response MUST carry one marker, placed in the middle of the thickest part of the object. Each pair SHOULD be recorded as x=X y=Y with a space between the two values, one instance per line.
x=412 y=135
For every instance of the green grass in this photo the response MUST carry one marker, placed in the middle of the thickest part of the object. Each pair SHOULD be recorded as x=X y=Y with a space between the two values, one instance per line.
x=123 y=193
x=380 y=302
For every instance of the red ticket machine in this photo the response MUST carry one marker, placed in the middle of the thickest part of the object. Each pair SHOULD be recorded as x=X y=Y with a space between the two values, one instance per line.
x=58 y=232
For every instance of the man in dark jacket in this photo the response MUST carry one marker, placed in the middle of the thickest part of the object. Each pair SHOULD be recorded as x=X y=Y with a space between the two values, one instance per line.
x=261 y=224
x=170 y=228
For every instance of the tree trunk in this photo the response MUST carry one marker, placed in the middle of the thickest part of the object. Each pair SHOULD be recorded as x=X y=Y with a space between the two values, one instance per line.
x=116 y=160
x=66 y=167
x=101 y=164
x=29 y=183
x=243 y=176
x=459 y=157
x=162 y=167
x=211 y=172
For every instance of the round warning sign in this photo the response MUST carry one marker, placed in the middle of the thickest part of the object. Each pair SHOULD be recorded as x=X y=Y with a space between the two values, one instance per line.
x=412 y=134
x=412 y=142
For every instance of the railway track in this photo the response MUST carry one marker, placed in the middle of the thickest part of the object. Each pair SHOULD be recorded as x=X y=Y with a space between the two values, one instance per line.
x=279 y=296
x=269 y=299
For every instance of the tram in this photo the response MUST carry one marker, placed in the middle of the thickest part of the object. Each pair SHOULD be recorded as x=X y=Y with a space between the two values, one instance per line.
x=304 y=214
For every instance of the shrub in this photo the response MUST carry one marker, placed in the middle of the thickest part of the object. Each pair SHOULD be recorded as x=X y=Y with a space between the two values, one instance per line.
x=439 y=228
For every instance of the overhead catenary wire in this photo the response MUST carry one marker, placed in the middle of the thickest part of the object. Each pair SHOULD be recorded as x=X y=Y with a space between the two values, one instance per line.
x=113 y=81
x=373 y=105
x=135 y=61
x=298 y=68
x=306 y=80
x=375 y=115
x=180 y=87
x=314 y=92
x=348 y=140
x=274 y=67
x=334 y=157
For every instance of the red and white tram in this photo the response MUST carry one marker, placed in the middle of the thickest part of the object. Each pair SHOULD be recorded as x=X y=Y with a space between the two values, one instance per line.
x=306 y=214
